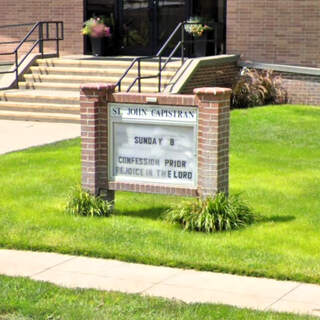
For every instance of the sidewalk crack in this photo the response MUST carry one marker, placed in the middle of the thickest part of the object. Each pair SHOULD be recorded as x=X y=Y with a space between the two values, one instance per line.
x=284 y=295
x=49 y=268
x=156 y=283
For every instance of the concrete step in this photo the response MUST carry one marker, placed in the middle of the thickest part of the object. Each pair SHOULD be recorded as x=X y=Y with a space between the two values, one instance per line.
x=75 y=87
x=72 y=87
x=51 y=90
x=86 y=79
x=39 y=116
x=99 y=63
x=108 y=72
x=41 y=96
x=39 y=107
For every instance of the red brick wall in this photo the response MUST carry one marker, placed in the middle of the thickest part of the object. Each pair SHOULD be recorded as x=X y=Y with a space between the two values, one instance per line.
x=31 y=11
x=213 y=73
x=275 y=31
x=302 y=89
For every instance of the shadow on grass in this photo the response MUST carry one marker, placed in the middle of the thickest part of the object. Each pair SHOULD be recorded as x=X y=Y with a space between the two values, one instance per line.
x=275 y=219
x=154 y=213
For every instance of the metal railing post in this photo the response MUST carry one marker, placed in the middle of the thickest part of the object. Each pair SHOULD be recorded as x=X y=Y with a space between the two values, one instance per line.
x=16 y=62
x=160 y=70
x=57 y=37
x=47 y=30
x=139 y=76
x=41 y=39
x=182 y=43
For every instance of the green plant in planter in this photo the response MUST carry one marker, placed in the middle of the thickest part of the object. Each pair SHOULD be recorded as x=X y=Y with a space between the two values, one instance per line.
x=196 y=27
x=218 y=213
x=82 y=203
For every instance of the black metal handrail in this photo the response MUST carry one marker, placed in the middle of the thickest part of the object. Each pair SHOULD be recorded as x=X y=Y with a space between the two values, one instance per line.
x=159 y=56
x=42 y=29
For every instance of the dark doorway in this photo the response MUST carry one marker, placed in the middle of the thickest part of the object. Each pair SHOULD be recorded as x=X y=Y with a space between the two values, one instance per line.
x=214 y=12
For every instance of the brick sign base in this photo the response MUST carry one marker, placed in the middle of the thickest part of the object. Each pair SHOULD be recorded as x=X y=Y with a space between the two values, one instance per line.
x=213 y=139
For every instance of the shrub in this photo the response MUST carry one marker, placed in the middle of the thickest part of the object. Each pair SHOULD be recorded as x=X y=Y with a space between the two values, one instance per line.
x=219 y=213
x=83 y=203
x=257 y=88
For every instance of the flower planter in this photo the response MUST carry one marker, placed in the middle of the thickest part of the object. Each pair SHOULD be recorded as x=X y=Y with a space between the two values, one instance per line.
x=97 y=46
x=200 y=46
x=98 y=32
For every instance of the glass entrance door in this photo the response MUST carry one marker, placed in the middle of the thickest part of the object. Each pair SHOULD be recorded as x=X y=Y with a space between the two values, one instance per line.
x=136 y=26
x=170 y=13
x=146 y=24
x=140 y=27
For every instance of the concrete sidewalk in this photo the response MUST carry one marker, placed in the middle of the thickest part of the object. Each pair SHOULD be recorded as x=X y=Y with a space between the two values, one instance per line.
x=18 y=135
x=186 y=285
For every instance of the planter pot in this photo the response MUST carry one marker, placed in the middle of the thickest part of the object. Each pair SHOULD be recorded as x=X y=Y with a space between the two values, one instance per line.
x=200 y=46
x=98 y=46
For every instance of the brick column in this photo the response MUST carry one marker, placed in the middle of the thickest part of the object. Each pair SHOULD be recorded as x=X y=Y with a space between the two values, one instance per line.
x=94 y=138
x=213 y=140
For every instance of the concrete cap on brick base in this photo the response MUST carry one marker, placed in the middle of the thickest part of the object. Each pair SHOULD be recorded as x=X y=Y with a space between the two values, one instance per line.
x=97 y=86
x=96 y=89
x=209 y=90
x=206 y=94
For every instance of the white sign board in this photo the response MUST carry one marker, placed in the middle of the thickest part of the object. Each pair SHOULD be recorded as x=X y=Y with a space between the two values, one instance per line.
x=153 y=144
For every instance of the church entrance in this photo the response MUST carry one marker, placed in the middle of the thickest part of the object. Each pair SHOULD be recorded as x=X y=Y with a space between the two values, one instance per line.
x=140 y=27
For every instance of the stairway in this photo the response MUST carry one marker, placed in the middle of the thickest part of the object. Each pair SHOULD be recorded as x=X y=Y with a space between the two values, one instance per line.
x=50 y=90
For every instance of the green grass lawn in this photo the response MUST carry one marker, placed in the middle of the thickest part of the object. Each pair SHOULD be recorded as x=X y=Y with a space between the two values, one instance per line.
x=23 y=299
x=275 y=165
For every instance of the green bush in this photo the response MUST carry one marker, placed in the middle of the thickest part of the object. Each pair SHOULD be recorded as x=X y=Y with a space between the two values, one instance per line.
x=257 y=88
x=219 y=213
x=83 y=203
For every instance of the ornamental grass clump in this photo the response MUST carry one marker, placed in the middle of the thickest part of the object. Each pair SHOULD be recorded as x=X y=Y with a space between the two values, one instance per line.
x=257 y=88
x=213 y=214
x=82 y=203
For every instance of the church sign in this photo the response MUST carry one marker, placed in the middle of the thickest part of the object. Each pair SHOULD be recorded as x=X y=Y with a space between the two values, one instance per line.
x=155 y=143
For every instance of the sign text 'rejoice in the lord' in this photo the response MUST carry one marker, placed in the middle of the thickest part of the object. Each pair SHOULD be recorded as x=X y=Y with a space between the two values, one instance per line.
x=153 y=144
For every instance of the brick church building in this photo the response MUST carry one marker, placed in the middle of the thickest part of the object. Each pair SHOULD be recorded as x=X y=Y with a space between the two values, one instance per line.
x=271 y=31
x=264 y=33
